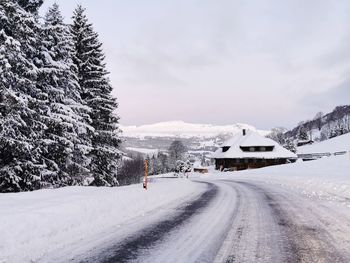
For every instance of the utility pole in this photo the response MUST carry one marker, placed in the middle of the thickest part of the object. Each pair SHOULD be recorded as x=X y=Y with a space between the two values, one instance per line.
x=145 y=180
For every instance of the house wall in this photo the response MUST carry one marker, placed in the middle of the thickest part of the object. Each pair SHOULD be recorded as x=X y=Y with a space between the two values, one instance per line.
x=246 y=163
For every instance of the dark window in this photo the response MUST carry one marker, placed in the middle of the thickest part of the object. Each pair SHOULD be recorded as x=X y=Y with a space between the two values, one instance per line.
x=257 y=148
x=225 y=148
x=269 y=148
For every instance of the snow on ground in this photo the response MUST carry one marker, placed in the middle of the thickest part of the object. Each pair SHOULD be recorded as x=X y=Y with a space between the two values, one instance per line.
x=328 y=177
x=336 y=144
x=35 y=224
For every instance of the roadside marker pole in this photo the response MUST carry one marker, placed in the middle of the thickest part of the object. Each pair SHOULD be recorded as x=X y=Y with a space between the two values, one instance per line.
x=145 y=180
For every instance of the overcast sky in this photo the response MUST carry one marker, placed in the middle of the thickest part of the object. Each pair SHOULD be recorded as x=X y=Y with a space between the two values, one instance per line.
x=265 y=63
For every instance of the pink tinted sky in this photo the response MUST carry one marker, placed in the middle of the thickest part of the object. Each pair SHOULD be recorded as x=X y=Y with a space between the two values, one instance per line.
x=266 y=63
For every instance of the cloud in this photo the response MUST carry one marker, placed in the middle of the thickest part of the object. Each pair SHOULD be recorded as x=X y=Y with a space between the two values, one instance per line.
x=329 y=99
x=268 y=63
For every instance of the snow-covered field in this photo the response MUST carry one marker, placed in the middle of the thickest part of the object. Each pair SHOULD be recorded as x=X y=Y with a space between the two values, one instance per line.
x=36 y=225
x=328 y=177
x=42 y=226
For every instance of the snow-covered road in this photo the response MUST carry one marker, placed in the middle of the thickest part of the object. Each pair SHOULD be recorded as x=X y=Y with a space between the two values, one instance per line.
x=290 y=213
x=237 y=220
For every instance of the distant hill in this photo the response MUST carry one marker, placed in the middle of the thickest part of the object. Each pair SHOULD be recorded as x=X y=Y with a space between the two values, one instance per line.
x=324 y=126
x=181 y=129
x=198 y=137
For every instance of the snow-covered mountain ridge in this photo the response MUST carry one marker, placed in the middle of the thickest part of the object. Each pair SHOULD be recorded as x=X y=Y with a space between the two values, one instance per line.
x=182 y=129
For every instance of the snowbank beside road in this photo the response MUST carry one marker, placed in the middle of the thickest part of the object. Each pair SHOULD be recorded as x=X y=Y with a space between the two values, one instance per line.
x=328 y=177
x=34 y=224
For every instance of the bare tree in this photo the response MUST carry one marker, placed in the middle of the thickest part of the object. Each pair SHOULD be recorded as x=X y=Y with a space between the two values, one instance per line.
x=278 y=134
x=176 y=152
x=318 y=120
x=131 y=171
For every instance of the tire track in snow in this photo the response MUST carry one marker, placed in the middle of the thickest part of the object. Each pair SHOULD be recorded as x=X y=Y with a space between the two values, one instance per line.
x=302 y=242
x=138 y=244
x=252 y=235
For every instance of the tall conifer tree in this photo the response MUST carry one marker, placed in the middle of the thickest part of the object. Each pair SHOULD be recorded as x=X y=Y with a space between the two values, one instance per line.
x=96 y=93
x=66 y=136
x=20 y=126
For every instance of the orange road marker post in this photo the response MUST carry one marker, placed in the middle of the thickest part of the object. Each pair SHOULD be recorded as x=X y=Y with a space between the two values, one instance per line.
x=145 y=180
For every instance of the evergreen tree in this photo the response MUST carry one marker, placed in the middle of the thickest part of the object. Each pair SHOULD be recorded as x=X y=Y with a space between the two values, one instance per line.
x=163 y=163
x=203 y=161
x=20 y=126
x=183 y=166
x=31 y=5
x=289 y=145
x=302 y=134
x=66 y=135
x=96 y=93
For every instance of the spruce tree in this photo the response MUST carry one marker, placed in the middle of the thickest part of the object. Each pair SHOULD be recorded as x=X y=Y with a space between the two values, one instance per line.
x=96 y=94
x=20 y=126
x=289 y=145
x=31 y=5
x=302 y=134
x=66 y=136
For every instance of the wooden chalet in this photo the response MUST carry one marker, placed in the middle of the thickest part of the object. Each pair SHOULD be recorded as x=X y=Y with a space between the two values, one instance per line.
x=249 y=150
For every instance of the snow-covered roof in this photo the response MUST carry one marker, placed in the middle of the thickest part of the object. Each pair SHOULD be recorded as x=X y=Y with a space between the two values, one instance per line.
x=251 y=139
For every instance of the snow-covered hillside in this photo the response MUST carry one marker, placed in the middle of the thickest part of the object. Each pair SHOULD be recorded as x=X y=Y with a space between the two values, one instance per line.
x=336 y=144
x=184 y=130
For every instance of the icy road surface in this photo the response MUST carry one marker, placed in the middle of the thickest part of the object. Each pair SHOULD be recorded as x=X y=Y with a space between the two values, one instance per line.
x=236 y=221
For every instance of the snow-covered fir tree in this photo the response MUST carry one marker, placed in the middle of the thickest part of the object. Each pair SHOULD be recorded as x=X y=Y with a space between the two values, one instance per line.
x=96 y=93
x=290 y=145
x=302 y=134
x=66 y=138
x=183 y=166
x=31 y=6
x=57 y=121
x=20 y=126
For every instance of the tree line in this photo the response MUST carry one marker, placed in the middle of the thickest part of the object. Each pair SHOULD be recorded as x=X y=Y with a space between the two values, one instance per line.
x=323 y=126
x=320 y=128
x=174 y=159
x=58 y=125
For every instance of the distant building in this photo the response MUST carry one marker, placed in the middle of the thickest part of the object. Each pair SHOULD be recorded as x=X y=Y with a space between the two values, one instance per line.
x=202 y=170
x=305 y=142
x=249 y=150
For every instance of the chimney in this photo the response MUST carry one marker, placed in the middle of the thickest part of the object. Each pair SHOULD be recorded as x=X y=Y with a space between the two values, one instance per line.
x=244 y=132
